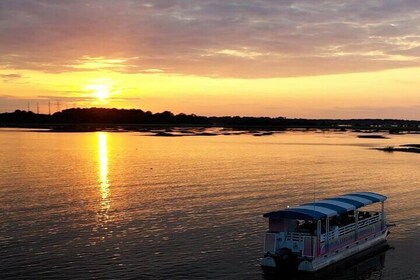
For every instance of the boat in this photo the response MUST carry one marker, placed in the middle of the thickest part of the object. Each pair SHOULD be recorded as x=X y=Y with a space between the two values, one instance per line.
x=314 y=235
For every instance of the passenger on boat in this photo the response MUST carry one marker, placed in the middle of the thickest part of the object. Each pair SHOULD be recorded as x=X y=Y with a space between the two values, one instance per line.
x=307 y=227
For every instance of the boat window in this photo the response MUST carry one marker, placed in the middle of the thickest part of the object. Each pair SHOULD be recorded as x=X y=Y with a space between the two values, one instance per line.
x=276 y=225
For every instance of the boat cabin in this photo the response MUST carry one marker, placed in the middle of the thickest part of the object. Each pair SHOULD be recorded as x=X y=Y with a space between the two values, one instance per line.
x=331 y=225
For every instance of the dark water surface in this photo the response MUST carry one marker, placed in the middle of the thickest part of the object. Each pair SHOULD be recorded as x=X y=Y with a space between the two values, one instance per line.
x=126 y=206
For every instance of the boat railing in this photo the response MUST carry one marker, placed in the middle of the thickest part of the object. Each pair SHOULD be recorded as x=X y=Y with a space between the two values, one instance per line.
x=336 y=232
x=296 y=236
x=346 y=229
x=370 y=221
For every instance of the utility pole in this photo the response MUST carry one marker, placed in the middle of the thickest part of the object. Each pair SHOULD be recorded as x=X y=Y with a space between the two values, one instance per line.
x=37 y=108
x=29 y=106
x=49 y=107
x=58 y=106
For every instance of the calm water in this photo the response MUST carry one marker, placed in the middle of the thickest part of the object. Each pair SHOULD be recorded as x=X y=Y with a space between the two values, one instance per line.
x=127 y=206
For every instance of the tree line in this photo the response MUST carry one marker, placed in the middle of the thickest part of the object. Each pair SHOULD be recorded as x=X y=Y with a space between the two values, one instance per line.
x=140 y=117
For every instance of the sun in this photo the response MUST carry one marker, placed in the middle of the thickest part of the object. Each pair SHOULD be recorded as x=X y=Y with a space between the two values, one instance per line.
x=100 y=91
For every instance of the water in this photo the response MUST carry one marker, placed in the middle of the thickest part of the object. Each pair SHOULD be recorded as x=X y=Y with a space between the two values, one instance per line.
x=128 y=206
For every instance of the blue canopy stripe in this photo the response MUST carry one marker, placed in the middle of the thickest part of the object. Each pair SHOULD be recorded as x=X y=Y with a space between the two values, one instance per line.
x=328 y=207
x=371 y=196
x=366 y=197
x=334 y=207
x=341 y=204
x=355 y=203
x=357 y=198
x=301 y=214
x=326 y=211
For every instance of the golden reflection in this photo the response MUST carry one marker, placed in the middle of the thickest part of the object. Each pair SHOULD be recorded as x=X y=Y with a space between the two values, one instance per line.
x=103 y=216
x=103 y=173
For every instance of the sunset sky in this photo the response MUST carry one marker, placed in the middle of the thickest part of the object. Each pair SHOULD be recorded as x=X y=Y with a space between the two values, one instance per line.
x=303 y=58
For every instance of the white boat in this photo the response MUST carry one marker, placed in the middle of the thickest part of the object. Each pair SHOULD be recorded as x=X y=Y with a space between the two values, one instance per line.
x=315 y=235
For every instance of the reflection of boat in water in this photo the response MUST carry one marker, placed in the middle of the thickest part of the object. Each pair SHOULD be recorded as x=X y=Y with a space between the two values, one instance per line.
x=364 y=265
x=316 y=235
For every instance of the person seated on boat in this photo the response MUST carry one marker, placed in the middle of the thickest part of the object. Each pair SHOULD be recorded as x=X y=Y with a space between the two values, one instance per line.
x=313 y=230
x=334 y=231
x=312 y=227
x=344 y=218
x=335 y=221
x=347 y=218
x=366 y=215
x=350 y=220
x=323 y=226
x=307 y=226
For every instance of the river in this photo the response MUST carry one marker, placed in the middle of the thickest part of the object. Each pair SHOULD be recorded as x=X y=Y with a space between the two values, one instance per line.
x=130 y=206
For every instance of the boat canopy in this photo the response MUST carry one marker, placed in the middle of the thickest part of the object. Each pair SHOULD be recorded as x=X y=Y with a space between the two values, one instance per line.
x=328 y=207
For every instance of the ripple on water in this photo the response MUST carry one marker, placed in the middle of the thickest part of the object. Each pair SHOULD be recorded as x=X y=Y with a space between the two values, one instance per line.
x=117 y=206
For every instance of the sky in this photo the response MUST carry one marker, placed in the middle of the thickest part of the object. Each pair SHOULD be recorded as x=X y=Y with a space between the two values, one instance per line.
x=302 y=58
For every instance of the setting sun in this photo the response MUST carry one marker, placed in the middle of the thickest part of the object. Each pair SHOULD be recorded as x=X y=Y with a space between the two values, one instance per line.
x=101 y=92
x=102 y=89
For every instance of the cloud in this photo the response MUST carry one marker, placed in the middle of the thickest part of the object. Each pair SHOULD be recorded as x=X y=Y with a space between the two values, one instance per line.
x=83 y=98
x=10 y=77
x=7 y=102
x=216 y=38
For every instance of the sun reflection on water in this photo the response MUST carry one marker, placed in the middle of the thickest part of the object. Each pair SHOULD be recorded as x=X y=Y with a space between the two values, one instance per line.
x=104 y=185
x=103 y=165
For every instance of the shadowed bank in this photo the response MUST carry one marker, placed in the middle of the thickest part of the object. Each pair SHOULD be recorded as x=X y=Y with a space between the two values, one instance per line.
x=93 y=119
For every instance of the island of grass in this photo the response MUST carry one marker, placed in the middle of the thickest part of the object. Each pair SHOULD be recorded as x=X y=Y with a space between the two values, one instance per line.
x=373 y=136
x=408 y=148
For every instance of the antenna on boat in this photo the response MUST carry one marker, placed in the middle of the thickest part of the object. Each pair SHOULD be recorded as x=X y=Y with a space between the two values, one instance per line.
x=314 y=192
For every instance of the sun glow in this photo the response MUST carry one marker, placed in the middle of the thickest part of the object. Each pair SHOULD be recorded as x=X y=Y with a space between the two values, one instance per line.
x=101 y=89
x=101 y=92
x=369 y=94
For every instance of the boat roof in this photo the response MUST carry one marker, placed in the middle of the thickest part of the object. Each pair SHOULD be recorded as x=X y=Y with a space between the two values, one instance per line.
x=328 y=207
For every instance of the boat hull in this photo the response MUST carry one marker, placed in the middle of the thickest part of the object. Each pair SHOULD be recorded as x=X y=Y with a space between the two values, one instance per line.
x=352 y=249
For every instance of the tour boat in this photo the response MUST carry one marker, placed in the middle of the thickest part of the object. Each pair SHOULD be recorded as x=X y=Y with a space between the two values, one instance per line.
x=317 y=234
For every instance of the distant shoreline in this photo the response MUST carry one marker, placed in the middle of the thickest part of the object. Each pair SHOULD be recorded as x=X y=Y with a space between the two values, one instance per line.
x=97 y=119
x=366 y=132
